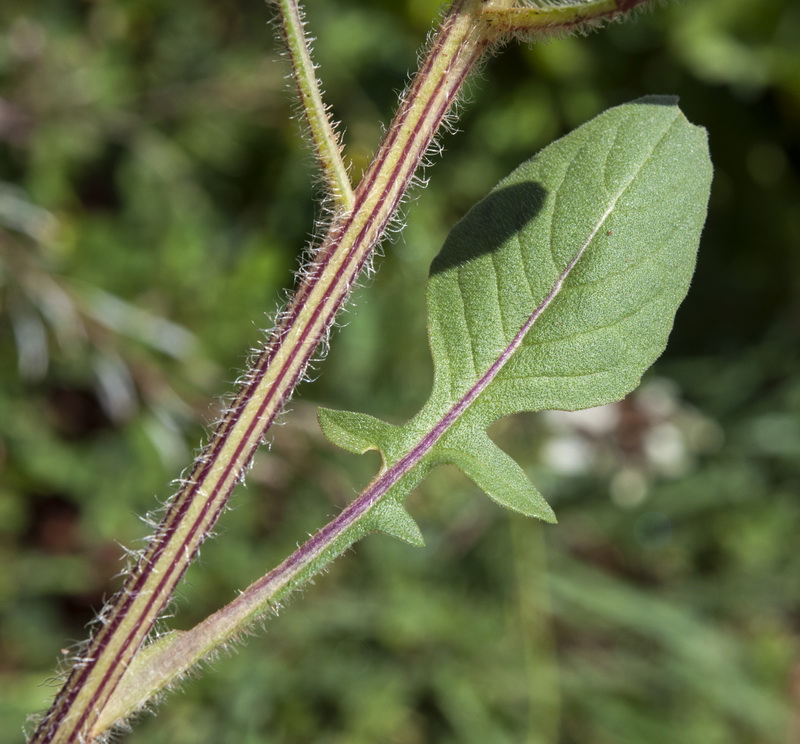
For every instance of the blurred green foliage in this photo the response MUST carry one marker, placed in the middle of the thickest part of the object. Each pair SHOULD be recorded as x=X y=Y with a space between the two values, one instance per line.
x=154 y=200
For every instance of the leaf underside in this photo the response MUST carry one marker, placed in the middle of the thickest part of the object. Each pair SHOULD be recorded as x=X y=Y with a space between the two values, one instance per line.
x=556 y=291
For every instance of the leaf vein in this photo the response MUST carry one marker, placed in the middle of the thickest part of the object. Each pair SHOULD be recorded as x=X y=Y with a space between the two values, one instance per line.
x=496 y=298
x=471 y=339
x=651 y=298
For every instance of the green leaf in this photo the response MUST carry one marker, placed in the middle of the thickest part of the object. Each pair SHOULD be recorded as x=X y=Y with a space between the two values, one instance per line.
x=355 y=432
x=556 y=291
x=392 y=518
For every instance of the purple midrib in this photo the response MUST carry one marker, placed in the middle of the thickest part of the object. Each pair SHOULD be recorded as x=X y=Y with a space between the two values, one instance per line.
x=378 y=488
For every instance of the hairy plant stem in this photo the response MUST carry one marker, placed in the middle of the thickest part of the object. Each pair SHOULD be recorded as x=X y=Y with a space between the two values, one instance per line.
x=553 y=18
x=324 y=137
x=324 y=286
x=184 y=650
x=128 y=619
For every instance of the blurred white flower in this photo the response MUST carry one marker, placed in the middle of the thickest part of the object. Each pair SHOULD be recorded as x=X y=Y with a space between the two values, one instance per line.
x=651 y=433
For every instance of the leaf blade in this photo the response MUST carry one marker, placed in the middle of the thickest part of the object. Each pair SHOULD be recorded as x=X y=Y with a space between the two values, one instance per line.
x=604 y=190
x=557 y=290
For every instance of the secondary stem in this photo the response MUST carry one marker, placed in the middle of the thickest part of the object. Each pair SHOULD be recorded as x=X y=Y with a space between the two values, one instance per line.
x=324 y=137
x=192 y=646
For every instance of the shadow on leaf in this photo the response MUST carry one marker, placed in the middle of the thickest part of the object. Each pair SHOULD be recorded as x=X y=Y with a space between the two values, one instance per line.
x=490 y=223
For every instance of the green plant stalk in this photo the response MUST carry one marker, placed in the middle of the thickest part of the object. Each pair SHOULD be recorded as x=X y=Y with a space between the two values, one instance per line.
x=374 y=509
x=183 y=650
x=125 y=623
x=324 y=137
x=548 y=18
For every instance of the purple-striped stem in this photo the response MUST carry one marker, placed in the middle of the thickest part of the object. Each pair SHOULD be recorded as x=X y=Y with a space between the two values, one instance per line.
x=188 y=648
x=126 y=622
x=326 y=284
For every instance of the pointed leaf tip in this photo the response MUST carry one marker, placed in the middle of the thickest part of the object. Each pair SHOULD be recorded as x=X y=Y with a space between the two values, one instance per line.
x=392 y=518
x=498 y=475
x=354 y=432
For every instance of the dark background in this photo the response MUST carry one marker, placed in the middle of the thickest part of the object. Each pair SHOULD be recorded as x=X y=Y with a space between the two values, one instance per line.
x=154 y=201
